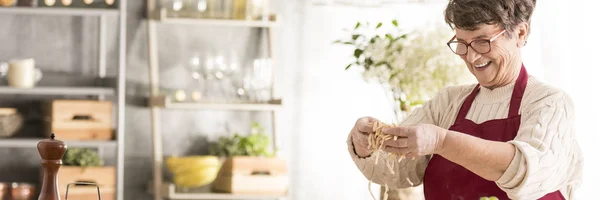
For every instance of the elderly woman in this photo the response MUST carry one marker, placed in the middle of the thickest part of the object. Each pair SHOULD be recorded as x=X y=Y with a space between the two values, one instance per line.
x=509 y=136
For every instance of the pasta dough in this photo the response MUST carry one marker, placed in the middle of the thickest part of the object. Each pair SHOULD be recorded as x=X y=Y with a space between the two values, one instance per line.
x=376 y=141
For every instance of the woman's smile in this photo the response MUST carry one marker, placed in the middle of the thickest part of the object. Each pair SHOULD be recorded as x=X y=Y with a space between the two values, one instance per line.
x=482 y=65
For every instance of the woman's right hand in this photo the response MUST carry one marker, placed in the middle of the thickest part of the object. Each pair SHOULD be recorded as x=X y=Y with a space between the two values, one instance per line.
x=360 y=136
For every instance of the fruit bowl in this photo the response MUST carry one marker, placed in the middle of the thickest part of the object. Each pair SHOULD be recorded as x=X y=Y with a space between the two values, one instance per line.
x=193 y=171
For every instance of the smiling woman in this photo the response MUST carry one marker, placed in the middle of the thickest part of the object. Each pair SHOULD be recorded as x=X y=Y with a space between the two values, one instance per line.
x=500 y=137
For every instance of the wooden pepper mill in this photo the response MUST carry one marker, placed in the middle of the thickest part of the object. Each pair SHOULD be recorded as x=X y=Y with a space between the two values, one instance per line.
x=51 y=151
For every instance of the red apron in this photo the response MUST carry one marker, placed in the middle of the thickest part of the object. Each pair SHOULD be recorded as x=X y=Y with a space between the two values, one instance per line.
x=445 y=180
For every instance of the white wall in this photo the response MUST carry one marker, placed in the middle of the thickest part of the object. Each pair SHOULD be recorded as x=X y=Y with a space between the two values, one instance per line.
x=570 y=55
x=561 y=50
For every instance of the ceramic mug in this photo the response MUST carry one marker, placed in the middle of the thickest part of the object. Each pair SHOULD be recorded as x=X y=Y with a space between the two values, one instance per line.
x=22 y=73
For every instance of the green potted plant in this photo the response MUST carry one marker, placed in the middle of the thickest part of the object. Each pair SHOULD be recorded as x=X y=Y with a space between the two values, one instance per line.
x=85 y=165
x=255 y=144
x=249 y=166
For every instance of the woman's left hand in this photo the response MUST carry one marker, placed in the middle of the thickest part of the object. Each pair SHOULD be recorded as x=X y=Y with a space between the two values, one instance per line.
x=415 y=140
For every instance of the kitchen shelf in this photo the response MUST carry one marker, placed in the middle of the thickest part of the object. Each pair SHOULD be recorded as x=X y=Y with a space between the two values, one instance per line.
x=168 y=103
x=58 y=11
x=169 y=192
x=33 y=142
x=159 y=102
x=161 y=16
x=58 y=91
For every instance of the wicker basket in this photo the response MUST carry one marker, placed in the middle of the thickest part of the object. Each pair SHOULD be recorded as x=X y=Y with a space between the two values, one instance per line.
x=10 y=122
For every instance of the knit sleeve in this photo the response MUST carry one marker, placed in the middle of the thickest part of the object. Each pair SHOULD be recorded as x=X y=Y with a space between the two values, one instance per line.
x=547 y=158
x=406 y=173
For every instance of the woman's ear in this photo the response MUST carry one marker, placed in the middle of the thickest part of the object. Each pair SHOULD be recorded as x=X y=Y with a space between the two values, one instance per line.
x=522 y=33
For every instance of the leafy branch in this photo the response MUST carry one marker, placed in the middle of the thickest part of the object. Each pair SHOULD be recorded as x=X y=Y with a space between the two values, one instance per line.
x=361 y=41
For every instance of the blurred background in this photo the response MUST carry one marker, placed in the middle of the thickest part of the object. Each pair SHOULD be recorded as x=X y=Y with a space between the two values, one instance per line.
x=219 y=81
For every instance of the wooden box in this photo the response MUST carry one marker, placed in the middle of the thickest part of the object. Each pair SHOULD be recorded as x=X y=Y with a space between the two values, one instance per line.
x=105 y=177
x=78 y=119
x=252 y=175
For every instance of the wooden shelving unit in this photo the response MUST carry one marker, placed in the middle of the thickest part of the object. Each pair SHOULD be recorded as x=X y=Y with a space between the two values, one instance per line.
x=117 y=88
x=157 y=102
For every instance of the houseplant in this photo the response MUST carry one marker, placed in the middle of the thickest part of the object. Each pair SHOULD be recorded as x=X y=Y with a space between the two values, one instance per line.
x=86 y=165
x=255 y=144
x=411 y=66
x=249 y=167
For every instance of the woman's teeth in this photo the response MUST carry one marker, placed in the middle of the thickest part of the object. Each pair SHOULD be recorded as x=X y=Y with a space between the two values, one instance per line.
x=483 y=64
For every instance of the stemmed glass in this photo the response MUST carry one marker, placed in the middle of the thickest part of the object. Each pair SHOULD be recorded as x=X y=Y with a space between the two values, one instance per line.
x=258 y=80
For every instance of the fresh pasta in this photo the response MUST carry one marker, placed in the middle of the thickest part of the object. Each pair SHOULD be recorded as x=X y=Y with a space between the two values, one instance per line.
x=376 y=141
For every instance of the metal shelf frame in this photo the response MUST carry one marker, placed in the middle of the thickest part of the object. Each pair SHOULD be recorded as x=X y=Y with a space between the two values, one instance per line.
x=158 y=102
x=169 y=192
x=32 y=143
x=161 y=16
x=167 y=103
x=59 y=11
x=100 y=92
x=95 y=91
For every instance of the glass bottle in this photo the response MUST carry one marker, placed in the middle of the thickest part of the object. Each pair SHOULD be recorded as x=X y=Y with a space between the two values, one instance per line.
x=240 y=9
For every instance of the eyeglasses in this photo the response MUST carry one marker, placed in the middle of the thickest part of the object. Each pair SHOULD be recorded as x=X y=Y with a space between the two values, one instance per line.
x=479 y=46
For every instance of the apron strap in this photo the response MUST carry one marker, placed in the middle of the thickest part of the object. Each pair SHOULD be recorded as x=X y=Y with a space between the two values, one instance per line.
x=464 y=109
x=518 y=91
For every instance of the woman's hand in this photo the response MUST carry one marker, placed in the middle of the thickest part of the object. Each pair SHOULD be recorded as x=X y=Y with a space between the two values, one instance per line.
x=416 y=140
x=360 y=136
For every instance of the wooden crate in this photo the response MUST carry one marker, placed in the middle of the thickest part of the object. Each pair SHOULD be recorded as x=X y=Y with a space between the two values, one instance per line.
x=252 y=175
x=104 y=176
x=78 y=119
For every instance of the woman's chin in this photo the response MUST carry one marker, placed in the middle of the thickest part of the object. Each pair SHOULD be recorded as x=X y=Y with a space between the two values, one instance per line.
x=484 y=81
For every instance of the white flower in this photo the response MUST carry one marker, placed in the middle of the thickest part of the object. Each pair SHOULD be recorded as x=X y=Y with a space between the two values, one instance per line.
x=378 y=49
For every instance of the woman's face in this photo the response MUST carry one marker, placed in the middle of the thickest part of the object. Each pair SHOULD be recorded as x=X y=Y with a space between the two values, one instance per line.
x=502 y=63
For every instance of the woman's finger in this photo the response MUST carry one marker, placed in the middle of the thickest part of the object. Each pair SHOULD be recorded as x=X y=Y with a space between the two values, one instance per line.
x=400 y=142
x=402 y=131
x=365 y=125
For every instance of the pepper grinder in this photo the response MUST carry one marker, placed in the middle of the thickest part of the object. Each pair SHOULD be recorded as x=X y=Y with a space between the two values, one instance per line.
x=51 y=151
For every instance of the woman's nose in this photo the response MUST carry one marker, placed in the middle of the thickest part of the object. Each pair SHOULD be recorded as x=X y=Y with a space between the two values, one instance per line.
x=472 y=55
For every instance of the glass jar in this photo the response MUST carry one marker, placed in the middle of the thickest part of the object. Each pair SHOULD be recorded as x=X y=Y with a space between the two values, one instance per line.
x=239 y=9
x=258 y=10
x=185 y=8
x=98 y=3
x=197 y=8
x=172 y=5
x=220 y=9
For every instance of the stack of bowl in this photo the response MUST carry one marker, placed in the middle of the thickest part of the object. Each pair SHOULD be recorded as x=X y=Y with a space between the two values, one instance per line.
x=193 y=171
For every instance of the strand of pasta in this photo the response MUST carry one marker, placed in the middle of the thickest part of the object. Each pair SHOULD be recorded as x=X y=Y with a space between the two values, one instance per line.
x=376 y=141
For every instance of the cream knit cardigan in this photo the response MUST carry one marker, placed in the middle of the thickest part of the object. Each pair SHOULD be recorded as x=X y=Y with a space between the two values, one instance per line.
x=547 y=159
